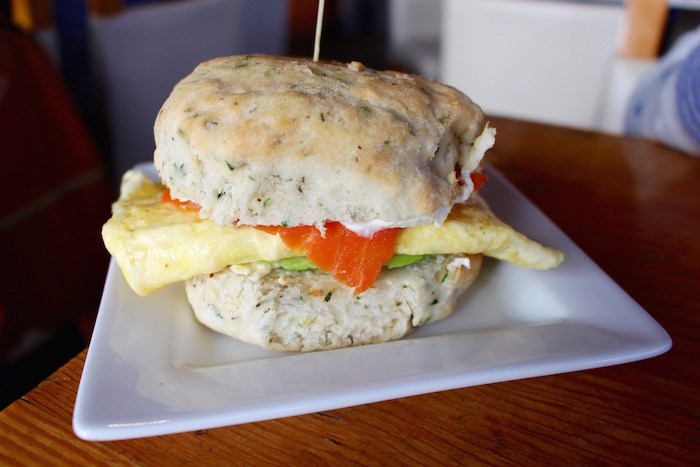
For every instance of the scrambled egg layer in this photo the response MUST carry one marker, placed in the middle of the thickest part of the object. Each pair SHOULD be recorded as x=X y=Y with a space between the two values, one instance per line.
x=157 y=244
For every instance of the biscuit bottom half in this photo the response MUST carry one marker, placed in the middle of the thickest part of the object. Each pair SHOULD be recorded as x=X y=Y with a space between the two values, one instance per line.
x=310 y=310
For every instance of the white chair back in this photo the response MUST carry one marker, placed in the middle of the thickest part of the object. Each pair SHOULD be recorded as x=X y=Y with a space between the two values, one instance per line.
x=538 y=60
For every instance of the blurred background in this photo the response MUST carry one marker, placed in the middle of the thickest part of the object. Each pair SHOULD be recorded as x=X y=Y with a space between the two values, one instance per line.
x=81 y=83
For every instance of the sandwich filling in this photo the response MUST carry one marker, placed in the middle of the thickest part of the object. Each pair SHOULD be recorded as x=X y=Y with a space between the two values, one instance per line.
x=158 y=243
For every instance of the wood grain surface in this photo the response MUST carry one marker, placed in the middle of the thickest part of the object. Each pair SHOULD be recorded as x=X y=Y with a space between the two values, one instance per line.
x=633 y=206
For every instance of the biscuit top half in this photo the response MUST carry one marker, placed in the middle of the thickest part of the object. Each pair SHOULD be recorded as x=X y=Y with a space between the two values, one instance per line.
x=263 y=140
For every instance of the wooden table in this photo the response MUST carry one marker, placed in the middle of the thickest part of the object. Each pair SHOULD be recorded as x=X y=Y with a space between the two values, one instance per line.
x=632 y=205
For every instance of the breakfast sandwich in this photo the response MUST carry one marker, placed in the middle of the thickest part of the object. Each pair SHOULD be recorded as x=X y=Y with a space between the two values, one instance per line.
x=311 y=205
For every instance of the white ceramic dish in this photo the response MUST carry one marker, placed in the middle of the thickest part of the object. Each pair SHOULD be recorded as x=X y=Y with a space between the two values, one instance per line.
x=153 y=370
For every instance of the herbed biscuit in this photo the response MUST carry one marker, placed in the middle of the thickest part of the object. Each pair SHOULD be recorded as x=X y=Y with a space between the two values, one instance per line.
x=268 y=140
x=310 y=310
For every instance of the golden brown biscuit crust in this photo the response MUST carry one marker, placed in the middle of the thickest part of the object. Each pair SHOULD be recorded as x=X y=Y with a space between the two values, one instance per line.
x=276 y=140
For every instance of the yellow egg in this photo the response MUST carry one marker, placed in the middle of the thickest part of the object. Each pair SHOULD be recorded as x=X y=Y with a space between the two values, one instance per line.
x=472 y=228
x=157 y=244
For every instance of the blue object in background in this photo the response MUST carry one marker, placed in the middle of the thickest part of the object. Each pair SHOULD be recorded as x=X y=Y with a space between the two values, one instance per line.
x=665 y=106
x=688 y=93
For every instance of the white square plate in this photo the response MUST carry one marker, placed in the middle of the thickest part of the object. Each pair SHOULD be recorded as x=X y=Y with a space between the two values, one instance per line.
x=153 y=370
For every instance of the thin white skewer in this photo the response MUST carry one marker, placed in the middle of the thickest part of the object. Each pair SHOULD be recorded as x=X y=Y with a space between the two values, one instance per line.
x=319 y=26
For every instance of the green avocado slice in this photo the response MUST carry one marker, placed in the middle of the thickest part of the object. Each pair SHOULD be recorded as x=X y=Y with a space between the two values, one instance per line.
x=297 y=263
x=302 y=263
x=399 y=261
